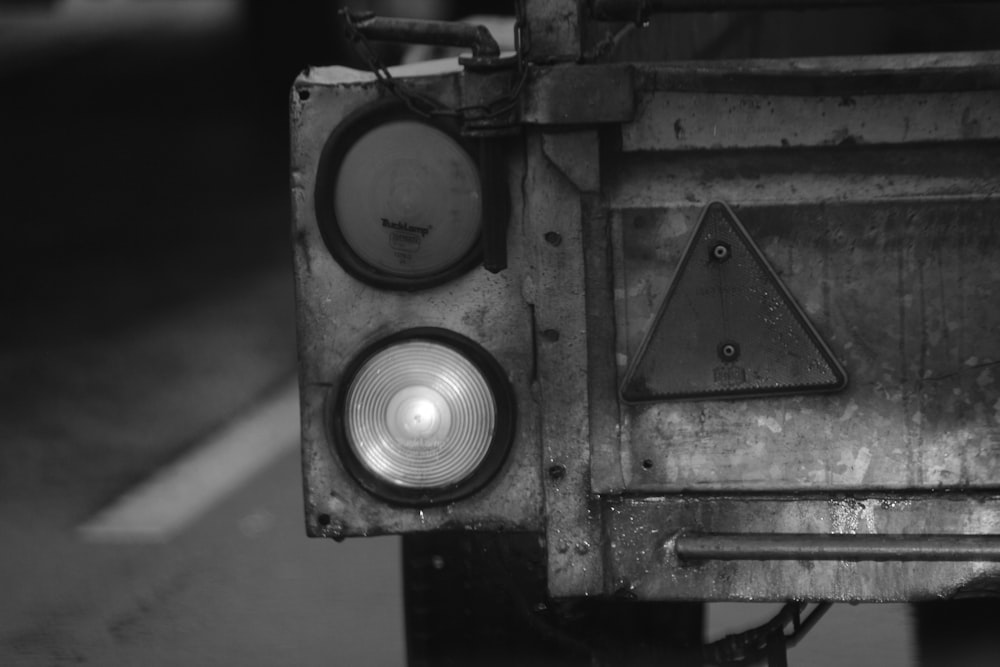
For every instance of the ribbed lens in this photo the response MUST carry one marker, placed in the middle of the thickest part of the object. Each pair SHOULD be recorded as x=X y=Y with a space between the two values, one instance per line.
x=407 y=199
x=420 y=415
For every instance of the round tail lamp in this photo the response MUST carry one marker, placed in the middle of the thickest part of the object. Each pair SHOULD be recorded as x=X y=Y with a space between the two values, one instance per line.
x=424 y=417
x=398 y=199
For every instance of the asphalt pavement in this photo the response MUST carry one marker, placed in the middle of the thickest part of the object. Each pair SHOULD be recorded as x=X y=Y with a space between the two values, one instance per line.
x=147 y=304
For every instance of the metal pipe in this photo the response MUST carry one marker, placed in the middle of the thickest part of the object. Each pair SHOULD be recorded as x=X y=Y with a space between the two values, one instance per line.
x=419 y=31
x=807 y=546
x=637 y=10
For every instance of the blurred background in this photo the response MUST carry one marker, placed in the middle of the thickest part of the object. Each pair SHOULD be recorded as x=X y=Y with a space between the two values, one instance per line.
x=147 y=310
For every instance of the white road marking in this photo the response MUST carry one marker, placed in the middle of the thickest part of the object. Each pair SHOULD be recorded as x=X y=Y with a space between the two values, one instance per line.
x=159 y=508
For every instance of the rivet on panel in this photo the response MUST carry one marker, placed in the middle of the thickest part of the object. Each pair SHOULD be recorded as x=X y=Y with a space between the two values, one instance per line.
x=729 y=350
x=721 y=251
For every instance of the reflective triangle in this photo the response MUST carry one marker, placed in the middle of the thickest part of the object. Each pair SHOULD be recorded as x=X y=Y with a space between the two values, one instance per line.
x=728 y=327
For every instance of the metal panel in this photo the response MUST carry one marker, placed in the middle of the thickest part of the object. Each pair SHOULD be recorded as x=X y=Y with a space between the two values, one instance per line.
x=338 y=316
x=680 y=121
x=904 y=293
x=555 y=218
x=553 y=30
x=625 y=10
x=816 y=102
x=891 y=247
x=671 y=180
x=579 y=95
x=642 y=560
x=892 y=253
x=828 y=75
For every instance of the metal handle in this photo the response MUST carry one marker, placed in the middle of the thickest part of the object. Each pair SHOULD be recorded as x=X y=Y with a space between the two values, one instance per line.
x=808 y=546
x=418 y=31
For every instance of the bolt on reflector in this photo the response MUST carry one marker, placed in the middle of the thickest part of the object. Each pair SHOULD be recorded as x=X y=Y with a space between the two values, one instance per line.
x=421 y=416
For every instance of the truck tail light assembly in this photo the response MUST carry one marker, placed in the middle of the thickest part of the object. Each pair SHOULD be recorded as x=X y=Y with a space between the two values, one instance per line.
x=424 y=417
x=416 y=363
x=698 y=257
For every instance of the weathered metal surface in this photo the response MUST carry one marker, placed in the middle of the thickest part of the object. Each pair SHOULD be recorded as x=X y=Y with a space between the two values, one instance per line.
x=834 y=76
x=577 y=156
x=338 y=315
x=902 y=284
x=847 y=101
x=579 y=95
x=552 y=31
x=605 y=424
x=891 y=249
x=905 y=294
x=642 y=535
x=554 y=220
x=902 y=28
x=489 y=106
x=806 y=546
x=669 y=181
x=684 y=121
x=637 y=10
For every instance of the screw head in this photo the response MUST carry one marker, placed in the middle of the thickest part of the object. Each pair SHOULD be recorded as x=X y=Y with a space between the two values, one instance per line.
x=729 y=350
x=721 y=252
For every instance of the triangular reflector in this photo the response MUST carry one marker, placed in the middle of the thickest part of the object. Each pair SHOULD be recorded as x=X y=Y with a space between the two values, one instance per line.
x=728 y=327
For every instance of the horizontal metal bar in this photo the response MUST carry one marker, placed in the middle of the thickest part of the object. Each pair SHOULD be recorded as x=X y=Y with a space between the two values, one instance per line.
x=807 y=546
x=632 y=10
x=418 y=31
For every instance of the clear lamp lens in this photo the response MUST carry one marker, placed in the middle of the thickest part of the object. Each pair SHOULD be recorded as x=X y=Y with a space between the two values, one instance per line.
x=420 y=415
x=407 y=199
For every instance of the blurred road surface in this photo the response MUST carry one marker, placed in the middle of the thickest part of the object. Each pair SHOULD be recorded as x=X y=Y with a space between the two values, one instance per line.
x=147 y=300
